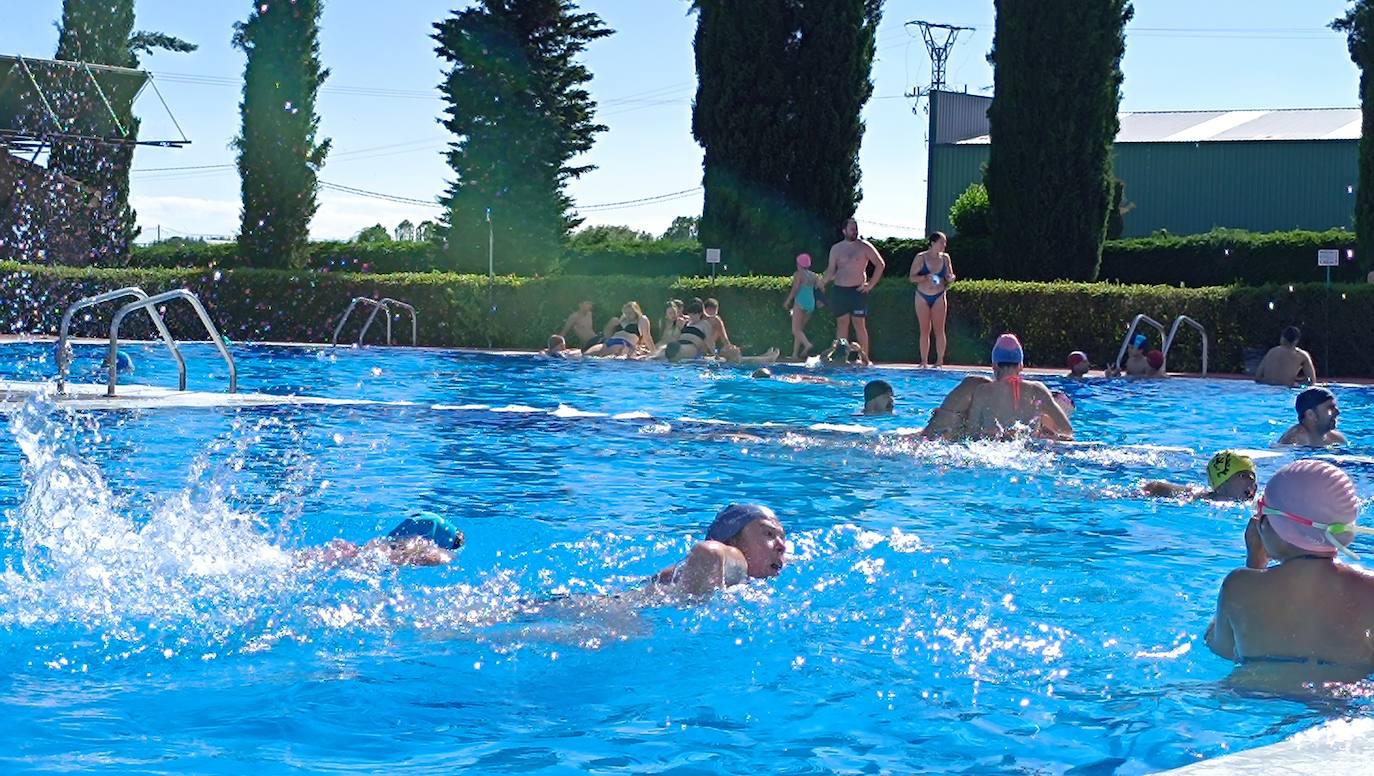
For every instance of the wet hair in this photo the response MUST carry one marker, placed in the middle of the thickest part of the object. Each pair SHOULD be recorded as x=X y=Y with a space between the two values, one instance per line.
x=761 y=373
x=937 y=236
x=694 y=307
x=556 y=342
x=1291 y=334
x=875 y=389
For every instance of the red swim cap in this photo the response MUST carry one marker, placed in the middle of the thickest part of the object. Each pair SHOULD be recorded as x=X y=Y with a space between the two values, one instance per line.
x=1077 y=357
x=1155 y=358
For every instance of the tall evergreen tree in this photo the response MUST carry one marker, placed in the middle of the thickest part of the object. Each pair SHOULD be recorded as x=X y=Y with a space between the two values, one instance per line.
x=1358 y=25
x=101 y=32
x=279 y=155
x=1057 y=80
x=780 y=88
x=519 y=113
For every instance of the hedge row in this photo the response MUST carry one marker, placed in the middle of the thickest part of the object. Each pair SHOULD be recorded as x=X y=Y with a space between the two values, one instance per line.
x=1220 y=257
x=457 y=310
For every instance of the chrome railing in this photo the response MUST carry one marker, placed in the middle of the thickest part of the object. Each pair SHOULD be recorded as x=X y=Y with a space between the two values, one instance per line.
x=1173 y=332
x=383 y=305
x=414 y=323
x=1135 y=323
x=147 y=304
x=64 y=355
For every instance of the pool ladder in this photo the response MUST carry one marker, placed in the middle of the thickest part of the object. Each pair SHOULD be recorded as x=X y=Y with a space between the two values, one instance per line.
x=377 y=305
x=1167 y=339
x=141 y=302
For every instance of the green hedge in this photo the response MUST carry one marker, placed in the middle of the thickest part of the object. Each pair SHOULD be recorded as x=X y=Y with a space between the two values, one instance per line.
x=1052 y=318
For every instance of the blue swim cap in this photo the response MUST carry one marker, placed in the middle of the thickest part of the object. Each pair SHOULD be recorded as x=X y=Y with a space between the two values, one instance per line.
x=429 y=526
x=734 y=518
x=1007 y=350
x=124 y=362
x=1139 y=341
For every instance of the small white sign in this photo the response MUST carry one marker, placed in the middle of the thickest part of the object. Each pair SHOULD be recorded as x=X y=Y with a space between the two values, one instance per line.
x=1329 y=258
x=712 y=255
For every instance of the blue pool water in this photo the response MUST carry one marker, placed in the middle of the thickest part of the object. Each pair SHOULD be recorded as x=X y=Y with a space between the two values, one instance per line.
x=995 y=607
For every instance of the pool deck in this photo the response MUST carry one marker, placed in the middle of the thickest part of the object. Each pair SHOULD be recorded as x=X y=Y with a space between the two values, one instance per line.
x=1337 y=747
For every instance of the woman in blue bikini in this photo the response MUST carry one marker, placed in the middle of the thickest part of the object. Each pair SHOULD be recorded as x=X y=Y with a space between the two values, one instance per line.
x=932 y=273
x=801 y=300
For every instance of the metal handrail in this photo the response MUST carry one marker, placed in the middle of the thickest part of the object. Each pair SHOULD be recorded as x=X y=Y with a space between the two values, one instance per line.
x=334 y=341
x=64 y=355
x=414 y=324
x=1135 y=322
x=1173 y=332
x=166 y=296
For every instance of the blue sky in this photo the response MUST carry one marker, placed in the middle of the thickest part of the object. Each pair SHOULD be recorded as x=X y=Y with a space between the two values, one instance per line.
x=380 y=105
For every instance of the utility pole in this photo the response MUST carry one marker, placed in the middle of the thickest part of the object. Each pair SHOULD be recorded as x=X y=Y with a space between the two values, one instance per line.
x=939 y=54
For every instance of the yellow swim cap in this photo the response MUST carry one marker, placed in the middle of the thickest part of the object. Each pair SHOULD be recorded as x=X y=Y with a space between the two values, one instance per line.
x=1225 y=465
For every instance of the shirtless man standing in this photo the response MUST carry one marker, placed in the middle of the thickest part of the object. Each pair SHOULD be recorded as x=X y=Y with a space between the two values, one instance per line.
x=848 y=269
x=1009 y=400
x=1286 y=364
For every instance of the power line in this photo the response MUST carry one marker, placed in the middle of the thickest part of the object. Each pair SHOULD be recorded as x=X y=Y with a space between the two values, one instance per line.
x=653 y=200
x=357 y=192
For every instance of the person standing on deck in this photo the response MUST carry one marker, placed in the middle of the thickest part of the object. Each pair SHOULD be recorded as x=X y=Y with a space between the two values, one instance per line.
x=848 y=269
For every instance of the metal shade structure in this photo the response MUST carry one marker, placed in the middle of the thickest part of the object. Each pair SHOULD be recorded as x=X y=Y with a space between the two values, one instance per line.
x=47 y=100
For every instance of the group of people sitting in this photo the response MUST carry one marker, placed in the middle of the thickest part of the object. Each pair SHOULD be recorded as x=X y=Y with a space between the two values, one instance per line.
x=689 y=330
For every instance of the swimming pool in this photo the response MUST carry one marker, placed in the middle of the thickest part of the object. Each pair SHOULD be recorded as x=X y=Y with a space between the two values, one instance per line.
x=987 y=607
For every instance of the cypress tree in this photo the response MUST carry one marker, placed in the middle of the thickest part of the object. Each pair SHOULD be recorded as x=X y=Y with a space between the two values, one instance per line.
x=1358 y=25
x=279 y=155
x=519 y=112
x=781 y=85
x=1057 y=80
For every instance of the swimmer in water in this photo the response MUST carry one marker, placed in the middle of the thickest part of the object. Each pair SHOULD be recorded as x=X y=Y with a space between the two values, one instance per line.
x=949 y=420
x=1308 y=611
x=1316 y=426
x=744 y=541
x=878 y=398
x=1078 y=365
x=423 y=539
x=997 y=407
x=558 y=348
x=1230 y=477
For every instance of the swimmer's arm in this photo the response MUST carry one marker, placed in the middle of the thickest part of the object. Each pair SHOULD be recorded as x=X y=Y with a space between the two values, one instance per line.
x=1307 y=368
x=876 y=259
x=1220 y=636
x=720 y=327
x=1162 y=489
x=1256 y=557
x=711 y=566
x=1263 y=369
x=1050 y=408
x=792 y=294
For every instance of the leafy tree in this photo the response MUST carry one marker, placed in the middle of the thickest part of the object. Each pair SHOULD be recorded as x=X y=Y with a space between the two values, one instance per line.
x=519 y=112
x=682 y=229
x=780 y=88
x=405 y=231
x=101 y=32
x=1358 y=25
x=373 y=234
x=279 y=155
x=969 y=213
x=1050 y=181
x=606 y=235
x=426 y=231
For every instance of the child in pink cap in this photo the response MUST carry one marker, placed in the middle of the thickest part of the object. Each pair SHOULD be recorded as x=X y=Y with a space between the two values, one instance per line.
x=1308 y=609
x=801 y=301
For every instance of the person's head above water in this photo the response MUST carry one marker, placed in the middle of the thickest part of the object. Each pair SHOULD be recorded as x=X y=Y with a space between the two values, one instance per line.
x=1138 y=343
x=756 y=532
x=556 y=343
x=878 y=398
x=1078 y=363
x=1291 y=335
x=1317 y=411
x=428 y=525
x=1231 y=475
x=762 y=373
x=1007 y=355
x=1155 y=358
x=1309 y=507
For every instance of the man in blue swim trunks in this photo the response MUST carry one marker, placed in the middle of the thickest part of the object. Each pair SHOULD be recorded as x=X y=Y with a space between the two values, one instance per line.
x=744 y=541
x=848 y=270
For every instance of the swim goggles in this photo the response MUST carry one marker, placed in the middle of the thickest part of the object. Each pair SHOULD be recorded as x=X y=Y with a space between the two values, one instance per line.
x=1330 y=531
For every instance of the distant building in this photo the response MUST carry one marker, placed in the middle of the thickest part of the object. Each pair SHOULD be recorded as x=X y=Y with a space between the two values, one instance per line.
x=1185 y=171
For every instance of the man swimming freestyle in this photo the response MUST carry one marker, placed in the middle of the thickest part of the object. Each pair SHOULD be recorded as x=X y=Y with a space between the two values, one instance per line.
x=848 y=269
x=744 y=541
x=1230 y=477
x=1316 y=426
x=1308 y=609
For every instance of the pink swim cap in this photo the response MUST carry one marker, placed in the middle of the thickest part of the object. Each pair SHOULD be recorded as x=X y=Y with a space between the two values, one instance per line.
x=804 y=260
x=1315 y=491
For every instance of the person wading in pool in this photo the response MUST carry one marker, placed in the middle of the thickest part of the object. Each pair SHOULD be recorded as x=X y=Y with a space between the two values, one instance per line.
x=744 y=541
x=1286 y=364
x=1316 y=426
x=878 y=398
x=848 y=270
x=1308 y=609
x=1230 y=477
x=1009 y=400
x=931 y=273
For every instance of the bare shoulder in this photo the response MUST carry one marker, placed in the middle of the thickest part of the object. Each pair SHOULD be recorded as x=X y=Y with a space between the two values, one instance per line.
x=869 y=247
x=1242 y=583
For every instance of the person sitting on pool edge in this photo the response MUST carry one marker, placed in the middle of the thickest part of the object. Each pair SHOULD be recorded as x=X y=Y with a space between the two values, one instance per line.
x=1009 y=400
x=1286 y=364
x=557 y=347
x=744 y=541
x=1316 y=426
x=1308 y=609
x=423 y=539
x=581 y=323
x=878 y=398
x=1230 y=475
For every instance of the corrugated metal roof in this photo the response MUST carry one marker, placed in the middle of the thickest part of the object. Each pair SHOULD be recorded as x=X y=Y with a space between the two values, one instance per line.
x=1228 y=126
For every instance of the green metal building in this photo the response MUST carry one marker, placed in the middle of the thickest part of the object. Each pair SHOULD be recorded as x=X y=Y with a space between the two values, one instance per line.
x=1185 y=171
